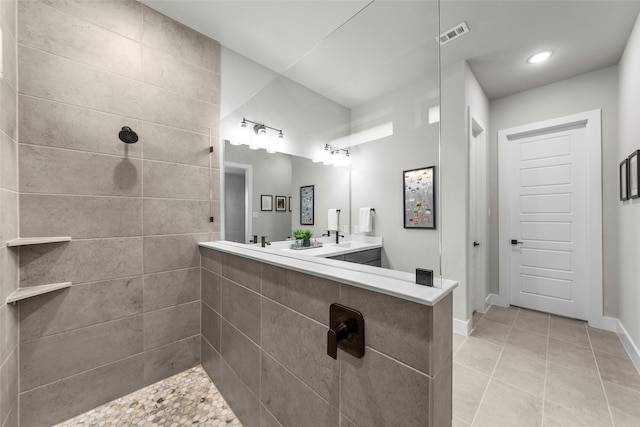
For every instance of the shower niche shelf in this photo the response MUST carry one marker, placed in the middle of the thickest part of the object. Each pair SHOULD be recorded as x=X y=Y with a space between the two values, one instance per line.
x=32 y=291
x=23 y=241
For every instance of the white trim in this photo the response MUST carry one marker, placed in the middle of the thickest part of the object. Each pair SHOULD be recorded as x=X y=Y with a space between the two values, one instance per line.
x=462 y=327
x=629 y=345
x=605 y=322
x=594 y=207
x=494 y=299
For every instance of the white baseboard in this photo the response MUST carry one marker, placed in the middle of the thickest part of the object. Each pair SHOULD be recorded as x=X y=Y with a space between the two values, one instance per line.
x=629 y=345
x=494 y=299
x=606 y=323
x=462 y=327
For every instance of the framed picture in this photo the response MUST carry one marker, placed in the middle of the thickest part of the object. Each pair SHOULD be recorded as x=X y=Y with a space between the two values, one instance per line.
x=289 y=203
x=306 y=205
x=624 y=179
x=634 y=171
x=266 y=203
x=419 y=191
x=281 y=203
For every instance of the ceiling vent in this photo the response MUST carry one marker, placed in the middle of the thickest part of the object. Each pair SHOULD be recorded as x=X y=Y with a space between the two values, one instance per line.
x=453 y=33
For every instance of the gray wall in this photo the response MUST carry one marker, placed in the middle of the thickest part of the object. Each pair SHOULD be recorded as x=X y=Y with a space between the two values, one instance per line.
x=234 y=207
x=132 y=316
x=331 y=190
x=586 y=92
x=626 y=228
x=8 y=219
x=264 y=335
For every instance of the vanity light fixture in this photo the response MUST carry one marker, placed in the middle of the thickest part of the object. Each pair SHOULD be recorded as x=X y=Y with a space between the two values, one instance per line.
x=540 y=57
x=335 y=156
x=260 y=129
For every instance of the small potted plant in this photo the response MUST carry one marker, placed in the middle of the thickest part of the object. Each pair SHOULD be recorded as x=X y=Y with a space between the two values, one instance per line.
x=305 y=236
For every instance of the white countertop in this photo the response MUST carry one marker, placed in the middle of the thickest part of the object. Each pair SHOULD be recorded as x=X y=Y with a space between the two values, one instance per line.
x=390 y=282
x=348 y=244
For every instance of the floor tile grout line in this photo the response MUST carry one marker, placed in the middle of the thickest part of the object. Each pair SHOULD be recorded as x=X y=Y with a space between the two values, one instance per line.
x=491 y=378
x=604 y=390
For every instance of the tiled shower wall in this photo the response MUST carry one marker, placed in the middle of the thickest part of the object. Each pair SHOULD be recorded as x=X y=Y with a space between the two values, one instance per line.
x=135 y=212
x=8 y=218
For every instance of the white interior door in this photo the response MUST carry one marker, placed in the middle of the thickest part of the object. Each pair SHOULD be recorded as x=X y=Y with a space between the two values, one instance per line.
x=545 y=179
x=478 y=215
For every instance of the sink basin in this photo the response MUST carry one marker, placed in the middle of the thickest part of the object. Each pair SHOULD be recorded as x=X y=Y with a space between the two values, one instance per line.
x=346 y=245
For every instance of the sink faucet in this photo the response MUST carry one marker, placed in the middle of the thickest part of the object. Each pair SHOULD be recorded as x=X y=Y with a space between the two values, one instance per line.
x=338 y=235
x=264 y=241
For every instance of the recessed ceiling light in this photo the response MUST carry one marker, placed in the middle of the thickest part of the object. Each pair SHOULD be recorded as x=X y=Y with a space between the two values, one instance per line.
x=540 y=57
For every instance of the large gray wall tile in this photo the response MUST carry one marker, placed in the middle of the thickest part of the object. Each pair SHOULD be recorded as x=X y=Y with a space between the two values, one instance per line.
x=7 y=16
x=241 y=307
x=172 y=180
x=165 y=326
x=77 y=84
x=210 y=326
x=120 y=16
x=171 y=288
x=10 y=58
x=168 y=360
x=242 y=354
x=9 y=101
x=168 y=108
x=166 y=216
x=211 y=260
x=175 y=145
x=185 y=44
x=80 y=306
x=48 y=29
x=442 y=336
x=366 y=391
x=242 y=401
x=8 y=216
x=56 y=402
x=300 y=345
x=442 y=390
x=12 y=418
x=267 y=419
x=8 y=330
x=48 y=359
x=166 y=71
x=79 y=216
x=8 y=271
x=52 y=170
x=80 y=261
x=210 y=360
x=163 y=253
x=53 y=124
x=9 y=374
x=8 y=163
x=396 y=327
x=210 y=289
x=291 y=401
x=242 y=270
x=304 y=293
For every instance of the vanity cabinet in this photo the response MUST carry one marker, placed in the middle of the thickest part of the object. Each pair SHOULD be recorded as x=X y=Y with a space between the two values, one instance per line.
x=368 y=257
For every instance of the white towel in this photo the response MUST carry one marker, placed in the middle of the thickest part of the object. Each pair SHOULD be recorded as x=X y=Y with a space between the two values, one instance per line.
x=332 y=222
x=366 y=220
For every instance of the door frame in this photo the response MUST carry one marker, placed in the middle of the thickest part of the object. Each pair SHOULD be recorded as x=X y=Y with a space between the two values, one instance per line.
x=477 y=129
x=592 y=124
x=248 y=194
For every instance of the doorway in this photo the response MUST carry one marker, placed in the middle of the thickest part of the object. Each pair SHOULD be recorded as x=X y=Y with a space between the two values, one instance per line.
x=550 y=227
x=237 y=202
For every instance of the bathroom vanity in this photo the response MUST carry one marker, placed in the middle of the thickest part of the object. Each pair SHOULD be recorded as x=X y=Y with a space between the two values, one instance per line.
x=267 y=339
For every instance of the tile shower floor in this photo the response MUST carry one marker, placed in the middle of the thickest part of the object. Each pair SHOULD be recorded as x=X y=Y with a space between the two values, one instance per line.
x=525 y=368
x=188 y=398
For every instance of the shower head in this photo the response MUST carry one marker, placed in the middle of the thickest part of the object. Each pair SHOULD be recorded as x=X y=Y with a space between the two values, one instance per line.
x=127 y=135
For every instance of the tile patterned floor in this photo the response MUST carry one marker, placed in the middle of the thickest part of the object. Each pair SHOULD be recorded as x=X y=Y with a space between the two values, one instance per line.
x=188 y=398
x=525 y=368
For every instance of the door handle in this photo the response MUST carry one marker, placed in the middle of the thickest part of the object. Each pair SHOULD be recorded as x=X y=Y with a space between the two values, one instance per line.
x=476 y=244
x=516 y=242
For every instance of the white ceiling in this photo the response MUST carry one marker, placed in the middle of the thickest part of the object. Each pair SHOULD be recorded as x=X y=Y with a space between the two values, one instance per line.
x=355 y=51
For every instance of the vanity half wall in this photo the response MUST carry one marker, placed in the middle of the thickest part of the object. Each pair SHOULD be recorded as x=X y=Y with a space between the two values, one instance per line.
x=264 y=344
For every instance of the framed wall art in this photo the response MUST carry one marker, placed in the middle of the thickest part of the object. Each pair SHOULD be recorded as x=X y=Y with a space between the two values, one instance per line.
x=266 y=203
x=281 y=203
x=624 y=179
x=634 y=171
x=306 y=205
x=419 y=210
